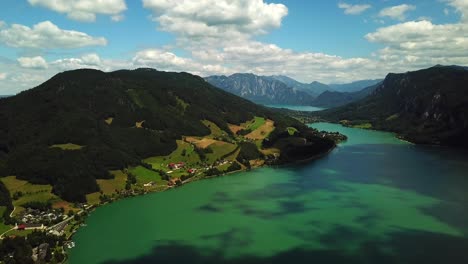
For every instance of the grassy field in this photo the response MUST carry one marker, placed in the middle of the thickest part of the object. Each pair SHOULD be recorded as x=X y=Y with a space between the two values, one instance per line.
x=68 y=146
x=363 y=126
x=3 y=227
x=262 y=131
x=254 y=124
x=219 y=150
x=191 y=158
x=291 y=130
x=31 y=192
x=118 y=183
x=144 y=175
x=215 y=130
x=109 y=120
x=108 y=187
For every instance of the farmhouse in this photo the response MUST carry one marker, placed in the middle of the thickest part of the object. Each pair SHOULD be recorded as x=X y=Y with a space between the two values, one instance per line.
x=176 y=166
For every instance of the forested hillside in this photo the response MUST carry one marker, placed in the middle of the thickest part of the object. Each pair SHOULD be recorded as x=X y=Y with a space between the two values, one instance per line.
x=79 y=125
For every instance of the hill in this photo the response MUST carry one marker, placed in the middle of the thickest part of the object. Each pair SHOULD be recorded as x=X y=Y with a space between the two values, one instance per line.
x=354 y=86
x=429 y=106
x=261 y=89
x=331 y=99
x=86 y=125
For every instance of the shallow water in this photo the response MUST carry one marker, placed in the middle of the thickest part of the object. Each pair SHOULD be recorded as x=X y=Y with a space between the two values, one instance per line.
x=374 y=199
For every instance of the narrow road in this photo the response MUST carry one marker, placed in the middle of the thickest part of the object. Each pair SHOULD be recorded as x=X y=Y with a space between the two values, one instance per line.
x=1 y=236
x=11 y=214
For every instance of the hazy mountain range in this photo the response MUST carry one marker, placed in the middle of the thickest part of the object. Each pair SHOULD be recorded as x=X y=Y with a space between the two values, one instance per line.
x=279 y=89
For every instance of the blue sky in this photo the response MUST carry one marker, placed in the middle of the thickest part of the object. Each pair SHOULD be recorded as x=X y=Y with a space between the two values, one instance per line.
x=328 y=41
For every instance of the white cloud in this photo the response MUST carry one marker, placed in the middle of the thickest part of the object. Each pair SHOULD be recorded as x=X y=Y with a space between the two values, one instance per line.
x=46 y=35
x=397 y=12
x=2 y=76
x=353 y=9
x=461 y=6
x=216 y=19
x=37 y=62
x=84 y=10
x=90 y=61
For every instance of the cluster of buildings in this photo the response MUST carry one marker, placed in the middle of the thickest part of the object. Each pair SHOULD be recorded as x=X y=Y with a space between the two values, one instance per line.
x=35 y=216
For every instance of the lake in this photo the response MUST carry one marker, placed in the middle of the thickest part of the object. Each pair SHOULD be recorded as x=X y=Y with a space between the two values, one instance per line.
x=374 y=199
x=305 y=108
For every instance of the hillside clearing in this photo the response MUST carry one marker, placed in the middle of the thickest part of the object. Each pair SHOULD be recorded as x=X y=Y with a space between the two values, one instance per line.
x=262 y=132
x=67 y=146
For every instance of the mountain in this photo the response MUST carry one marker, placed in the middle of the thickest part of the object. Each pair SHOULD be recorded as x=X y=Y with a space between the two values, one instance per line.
x=354 y=86
x=429 y=106
x=79 y=125
x=314 y=88
x=261 y=89
x=331 y=99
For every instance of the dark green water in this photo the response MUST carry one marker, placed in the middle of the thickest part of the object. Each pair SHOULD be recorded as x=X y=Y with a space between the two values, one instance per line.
x=374 y=199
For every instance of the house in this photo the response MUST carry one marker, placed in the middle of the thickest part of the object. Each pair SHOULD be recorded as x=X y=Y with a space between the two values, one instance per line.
x=176 y=166
x=149 y=184
x=192 y=171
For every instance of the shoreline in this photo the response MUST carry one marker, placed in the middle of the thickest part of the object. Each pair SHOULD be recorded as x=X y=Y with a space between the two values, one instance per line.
x=192 y=180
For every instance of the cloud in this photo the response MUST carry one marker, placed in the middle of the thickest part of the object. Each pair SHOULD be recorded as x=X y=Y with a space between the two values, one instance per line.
x=353 y=9
x=461 y=6
x=168 y=61
x=46 y=35
x=396 y=12
x=89 y=61
x=117 y=18
x=83 y=10
x=2 y=76
x=216 y=19
x=33 y=62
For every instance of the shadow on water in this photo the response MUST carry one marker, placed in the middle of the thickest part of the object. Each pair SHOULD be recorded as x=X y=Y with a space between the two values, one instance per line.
x=403 y=247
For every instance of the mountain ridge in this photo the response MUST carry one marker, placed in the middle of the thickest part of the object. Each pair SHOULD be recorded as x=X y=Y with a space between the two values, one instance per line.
x=428 y=106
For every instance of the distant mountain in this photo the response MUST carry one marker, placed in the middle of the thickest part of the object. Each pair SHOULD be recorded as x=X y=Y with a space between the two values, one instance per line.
x=261 y=89
x=5 y=96
x=330 y=99
x=354 y=86
x=314 y=88
x=79 y=125
x=428 y=106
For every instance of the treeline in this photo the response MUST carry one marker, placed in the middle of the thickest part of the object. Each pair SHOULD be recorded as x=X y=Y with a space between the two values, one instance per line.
x=18 y=249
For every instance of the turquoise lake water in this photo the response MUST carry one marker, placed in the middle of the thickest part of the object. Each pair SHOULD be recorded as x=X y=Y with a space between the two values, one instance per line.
x=374 y=199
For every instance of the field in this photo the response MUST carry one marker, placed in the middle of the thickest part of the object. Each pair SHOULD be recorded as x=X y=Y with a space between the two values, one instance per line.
x=261 y=132
x=144 y=175
x=108 y=187
x=185 y=152
x=254 y=124
x=202 y=143
x=215 y=130
x=109 y=120
x=220 y=149
x=235 y=128
x=291 y=131
x=31 y=192
x=3 y=227
x=363 y=126
x=68 y=146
